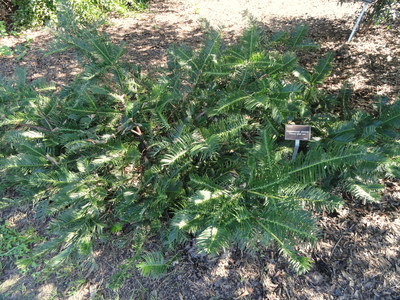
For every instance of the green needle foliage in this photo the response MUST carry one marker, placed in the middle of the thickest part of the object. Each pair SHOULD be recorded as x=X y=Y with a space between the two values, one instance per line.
x=153 y=264
x=197 y=153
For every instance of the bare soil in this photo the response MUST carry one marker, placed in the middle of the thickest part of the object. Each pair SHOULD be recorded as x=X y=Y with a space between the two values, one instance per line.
x=358 y=254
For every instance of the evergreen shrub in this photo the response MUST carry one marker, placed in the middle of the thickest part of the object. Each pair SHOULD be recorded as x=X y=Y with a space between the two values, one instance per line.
x=196 y=153
x=32 y=13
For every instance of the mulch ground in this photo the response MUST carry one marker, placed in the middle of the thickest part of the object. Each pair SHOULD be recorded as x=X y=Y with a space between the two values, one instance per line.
x=358 y=254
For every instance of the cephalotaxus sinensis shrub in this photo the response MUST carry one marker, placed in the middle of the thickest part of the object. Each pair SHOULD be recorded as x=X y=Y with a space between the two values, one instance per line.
x=196 y=153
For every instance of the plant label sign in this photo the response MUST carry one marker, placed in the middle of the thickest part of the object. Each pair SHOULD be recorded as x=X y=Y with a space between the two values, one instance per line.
x=297 y=132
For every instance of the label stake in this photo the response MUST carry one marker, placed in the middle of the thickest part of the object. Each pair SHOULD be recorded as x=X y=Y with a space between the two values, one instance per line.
x=295 y=149
x=366 y=3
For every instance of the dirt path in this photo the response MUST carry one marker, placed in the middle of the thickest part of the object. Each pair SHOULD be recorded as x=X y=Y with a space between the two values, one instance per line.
x=358 y=255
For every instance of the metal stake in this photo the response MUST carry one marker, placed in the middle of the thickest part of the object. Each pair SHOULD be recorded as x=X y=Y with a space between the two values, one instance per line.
x=296 y=148
x=366 y=3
